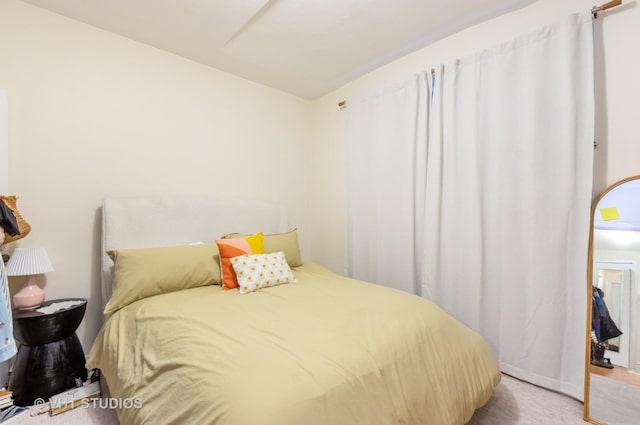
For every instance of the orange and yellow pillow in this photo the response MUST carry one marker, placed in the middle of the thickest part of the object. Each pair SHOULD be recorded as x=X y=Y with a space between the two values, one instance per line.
x=230 y=248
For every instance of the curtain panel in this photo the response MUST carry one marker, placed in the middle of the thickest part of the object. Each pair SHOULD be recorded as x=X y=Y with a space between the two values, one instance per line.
x=385 y=131
x=494 y=195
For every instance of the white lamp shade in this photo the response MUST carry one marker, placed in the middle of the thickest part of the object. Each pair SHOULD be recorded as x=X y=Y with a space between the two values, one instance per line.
x=28 y=261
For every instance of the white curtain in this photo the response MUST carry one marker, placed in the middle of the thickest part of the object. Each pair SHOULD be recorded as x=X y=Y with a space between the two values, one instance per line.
x=385 y=132
x=500 y=196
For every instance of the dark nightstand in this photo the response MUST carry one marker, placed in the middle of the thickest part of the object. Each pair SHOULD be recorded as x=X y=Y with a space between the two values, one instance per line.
x=50 y=356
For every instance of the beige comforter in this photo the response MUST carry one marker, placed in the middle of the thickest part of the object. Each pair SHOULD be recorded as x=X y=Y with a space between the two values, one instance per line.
x=325 y=350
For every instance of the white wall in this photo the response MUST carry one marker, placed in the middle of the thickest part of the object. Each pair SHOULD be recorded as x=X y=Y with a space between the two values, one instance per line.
x=4 y=143
x=4 y=185
x=618 y=127
x=95 y=115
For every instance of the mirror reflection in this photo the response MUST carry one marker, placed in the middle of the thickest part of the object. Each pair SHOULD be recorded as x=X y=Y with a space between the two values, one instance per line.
x=614 y=370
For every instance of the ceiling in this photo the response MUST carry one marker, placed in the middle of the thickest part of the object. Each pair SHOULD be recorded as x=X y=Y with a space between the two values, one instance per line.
x=304 y=47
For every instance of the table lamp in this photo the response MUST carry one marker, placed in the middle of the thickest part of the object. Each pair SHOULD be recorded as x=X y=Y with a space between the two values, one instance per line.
x=29 y=262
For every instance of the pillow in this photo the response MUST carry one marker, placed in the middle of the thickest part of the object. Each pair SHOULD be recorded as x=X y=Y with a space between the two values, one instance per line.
x=141 y=273
x=230 y=248
x=286 y=242
x=262 y=270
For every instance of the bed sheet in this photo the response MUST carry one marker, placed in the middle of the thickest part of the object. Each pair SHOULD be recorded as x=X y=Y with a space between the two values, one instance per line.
x=325 y=350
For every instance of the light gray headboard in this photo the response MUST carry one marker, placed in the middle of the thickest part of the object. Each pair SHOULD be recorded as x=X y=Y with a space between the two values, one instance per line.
x=156 y=222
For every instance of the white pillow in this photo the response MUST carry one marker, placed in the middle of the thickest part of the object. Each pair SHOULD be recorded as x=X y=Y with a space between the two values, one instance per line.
x=255 y=271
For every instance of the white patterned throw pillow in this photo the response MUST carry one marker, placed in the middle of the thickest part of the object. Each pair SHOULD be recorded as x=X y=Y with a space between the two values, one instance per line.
x=255 y=271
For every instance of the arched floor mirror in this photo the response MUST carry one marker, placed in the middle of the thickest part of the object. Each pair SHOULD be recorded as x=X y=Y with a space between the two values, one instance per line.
x=612 y=356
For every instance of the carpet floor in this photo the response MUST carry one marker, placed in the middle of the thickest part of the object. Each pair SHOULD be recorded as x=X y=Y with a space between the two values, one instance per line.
x=614 y=402
x=514 y=402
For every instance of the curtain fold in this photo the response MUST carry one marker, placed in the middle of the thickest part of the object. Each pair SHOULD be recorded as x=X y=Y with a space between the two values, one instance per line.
x=385 y=131
x=498 y=176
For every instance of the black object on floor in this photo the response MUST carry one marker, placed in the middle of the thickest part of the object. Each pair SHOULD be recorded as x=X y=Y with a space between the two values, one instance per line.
x=50 y=357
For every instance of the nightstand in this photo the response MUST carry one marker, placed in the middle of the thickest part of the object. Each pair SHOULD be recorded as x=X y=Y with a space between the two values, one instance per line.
x=50 y=357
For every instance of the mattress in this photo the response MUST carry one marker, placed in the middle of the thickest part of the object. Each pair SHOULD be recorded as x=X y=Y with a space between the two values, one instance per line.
x=324 y=350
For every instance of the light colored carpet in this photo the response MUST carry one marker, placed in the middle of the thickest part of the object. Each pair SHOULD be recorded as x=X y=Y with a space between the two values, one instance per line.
x=513 y=403
x=78 y=416
x=516 y=402
x=614 y=402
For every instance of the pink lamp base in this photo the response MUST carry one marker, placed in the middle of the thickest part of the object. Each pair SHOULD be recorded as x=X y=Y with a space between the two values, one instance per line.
x=30 y=296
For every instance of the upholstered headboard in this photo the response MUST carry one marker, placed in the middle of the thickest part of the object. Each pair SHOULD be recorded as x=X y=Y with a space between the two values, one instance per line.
x=157 y=222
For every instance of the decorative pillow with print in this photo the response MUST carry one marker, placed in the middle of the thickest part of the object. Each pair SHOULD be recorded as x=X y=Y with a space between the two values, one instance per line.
x=230 y=248
x=261 y=270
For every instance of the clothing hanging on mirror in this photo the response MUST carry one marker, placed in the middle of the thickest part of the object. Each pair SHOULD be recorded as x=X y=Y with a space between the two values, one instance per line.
x=604 y=328
x=601 y=321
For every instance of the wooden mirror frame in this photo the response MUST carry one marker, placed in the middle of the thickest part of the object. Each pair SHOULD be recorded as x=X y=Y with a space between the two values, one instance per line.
x=587 y=358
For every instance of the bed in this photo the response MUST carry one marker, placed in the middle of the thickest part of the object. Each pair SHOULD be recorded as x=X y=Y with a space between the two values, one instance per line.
x=322 y=349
